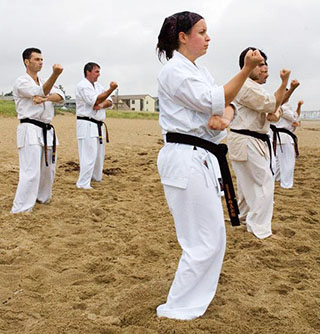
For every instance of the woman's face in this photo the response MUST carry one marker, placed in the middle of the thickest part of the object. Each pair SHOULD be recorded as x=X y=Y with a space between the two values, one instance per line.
x=197 y=42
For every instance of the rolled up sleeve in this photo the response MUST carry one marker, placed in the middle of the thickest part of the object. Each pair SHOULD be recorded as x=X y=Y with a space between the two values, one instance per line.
x=56 y=90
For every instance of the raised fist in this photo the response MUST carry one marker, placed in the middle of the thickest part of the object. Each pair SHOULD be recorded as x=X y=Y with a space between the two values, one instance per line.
x=253 y=58
x=113 y=85
x=57 y=69
x=284 y=74
x=301 y=102
x=294 y=83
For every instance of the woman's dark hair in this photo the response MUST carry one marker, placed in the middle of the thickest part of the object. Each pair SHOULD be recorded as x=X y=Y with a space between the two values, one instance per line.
x=244 y=52
x=168 y=39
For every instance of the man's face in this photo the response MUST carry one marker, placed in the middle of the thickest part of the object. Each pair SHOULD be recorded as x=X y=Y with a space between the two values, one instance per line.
x=255 y=73
x=93 y=75
x=34 y=64
x=263 y=75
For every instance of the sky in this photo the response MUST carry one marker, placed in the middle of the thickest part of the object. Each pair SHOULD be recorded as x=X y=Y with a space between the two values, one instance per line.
x=121 y=36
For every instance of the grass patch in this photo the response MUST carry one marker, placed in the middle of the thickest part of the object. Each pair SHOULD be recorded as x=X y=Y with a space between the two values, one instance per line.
x=8 y=109
x=132 y=114
x=119 y=114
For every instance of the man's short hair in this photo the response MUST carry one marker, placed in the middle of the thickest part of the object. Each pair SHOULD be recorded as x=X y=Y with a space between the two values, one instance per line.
x=26 y=54
x=89 y=67
x=244 y=52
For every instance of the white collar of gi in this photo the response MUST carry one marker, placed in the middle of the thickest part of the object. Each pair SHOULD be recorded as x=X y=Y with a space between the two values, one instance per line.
x=177 y=54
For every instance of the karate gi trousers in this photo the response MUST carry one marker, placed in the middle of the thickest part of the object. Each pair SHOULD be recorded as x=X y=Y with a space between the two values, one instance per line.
x=255 y=185
x=200 y=229
x=285 y=165
x=35 y=178
x=91 y=157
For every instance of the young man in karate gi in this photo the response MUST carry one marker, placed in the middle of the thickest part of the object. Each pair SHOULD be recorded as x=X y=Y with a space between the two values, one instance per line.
x=34 y=100
x=91 y=99
x=274 y=117
x=250 y=156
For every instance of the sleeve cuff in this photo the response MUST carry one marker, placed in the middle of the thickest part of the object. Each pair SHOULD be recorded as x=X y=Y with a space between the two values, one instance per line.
x=218 y=101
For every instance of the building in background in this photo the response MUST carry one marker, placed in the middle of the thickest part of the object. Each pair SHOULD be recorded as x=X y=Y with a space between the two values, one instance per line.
x=315 y=114
x=134 y=102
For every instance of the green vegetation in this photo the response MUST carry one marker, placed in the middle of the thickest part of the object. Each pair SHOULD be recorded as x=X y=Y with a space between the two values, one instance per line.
x=132 y=114
x=7 y=108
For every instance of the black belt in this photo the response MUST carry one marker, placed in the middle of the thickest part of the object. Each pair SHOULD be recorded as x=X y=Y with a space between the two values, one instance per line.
x=220 y=151
x=262 y=136
x=99 y=124
x=45 y=127
x=276 y=132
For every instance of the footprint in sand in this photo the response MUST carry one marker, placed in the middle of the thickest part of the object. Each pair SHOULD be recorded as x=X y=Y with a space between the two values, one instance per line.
x=303 y=249
x=288 y=233
x=112 y=171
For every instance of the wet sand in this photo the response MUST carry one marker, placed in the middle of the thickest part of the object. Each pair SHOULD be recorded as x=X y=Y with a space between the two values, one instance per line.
x=99 y=261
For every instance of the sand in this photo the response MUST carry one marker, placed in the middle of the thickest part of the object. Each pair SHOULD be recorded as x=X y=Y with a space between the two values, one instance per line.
x=99 y=261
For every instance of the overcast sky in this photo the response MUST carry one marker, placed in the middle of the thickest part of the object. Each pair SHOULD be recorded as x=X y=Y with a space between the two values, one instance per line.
x=121 y=36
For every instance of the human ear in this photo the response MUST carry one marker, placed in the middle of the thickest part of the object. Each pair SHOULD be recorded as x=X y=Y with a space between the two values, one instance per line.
x=182 y=37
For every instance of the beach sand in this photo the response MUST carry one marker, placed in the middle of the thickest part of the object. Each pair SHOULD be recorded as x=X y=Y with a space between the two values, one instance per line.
x=100 y=261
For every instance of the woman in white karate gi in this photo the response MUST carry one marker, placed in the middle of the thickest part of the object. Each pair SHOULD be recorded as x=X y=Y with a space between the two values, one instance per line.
x=191 y=103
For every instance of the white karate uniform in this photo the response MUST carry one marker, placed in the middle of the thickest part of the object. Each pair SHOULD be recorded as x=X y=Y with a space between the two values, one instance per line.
x=188 y=96
x=273 y=156
x=285 y=151
x=91 y=151
x=250 y=158
x=35 y=178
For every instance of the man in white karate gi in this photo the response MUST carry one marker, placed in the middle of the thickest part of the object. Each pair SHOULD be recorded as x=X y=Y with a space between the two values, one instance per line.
x=286 y=153
x=36 y=140
x=91 y=99
x=274 y=117
x=249 y=150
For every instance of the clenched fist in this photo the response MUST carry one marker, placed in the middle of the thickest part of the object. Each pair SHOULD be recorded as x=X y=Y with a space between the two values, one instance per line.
x=218 y=122
x=300 y=103
x=39 y=99
x=284 y=74
x=294 y=84
x=113 y=85
x=57 y=69
x=253 y=58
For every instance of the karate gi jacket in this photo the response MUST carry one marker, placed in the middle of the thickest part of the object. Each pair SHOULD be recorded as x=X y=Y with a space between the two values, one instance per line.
x=24 y=89
x=86 y=96
x=188 y=96
x=253 y=103
x=289 y=116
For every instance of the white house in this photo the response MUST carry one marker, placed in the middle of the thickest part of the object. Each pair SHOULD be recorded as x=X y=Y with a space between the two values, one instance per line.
x=134 y=102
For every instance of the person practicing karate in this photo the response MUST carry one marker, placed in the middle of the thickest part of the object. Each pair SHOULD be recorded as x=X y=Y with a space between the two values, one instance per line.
x=91 y=100
x=194 y=112
x=287 y=142
x=250 y=149
x=36 y=139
